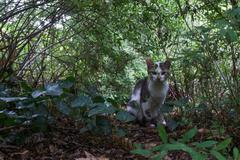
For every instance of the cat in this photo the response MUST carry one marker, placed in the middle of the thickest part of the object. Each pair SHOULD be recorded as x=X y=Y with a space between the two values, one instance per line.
x=149 y=93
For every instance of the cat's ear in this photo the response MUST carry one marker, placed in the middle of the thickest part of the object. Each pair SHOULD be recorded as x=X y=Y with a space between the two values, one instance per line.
x=149 y=63
x=167 y=64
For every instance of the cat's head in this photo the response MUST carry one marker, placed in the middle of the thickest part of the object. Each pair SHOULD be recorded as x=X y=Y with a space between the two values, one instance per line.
x=158 y=71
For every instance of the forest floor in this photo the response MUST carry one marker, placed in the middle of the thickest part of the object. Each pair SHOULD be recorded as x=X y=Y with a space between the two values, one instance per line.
x=65 y=142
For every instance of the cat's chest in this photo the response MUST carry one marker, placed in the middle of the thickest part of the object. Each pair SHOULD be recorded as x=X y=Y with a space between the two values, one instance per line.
x=158 y=91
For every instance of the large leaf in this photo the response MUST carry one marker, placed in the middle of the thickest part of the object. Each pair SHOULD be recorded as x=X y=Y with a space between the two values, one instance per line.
x=189 y=135
x=217 y=155
x=38 y=93
x=179 y=103
x=172 y=124
x=142 y=152
x=222 y=145
x=120 y=132
x=24 y=105
x=206 y=144
x=81 y=101
x=53 y=90
x=236 y=154
x=159 y=156
x=12 y=99
x=125 y=116
x=10 y=114
x=63 y=108
x=162 y=133
x=68 y=82
x=103 y=126
x=101 y=109
x=39 y=123
x=179 y=146
x=166 y=108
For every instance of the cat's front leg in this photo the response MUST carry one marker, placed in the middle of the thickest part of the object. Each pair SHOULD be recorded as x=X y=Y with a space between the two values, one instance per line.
x=157 y=116
x=146 y=110
x=161 y=119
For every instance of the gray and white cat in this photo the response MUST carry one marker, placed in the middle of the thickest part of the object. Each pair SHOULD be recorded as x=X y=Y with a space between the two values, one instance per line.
x=149 y=93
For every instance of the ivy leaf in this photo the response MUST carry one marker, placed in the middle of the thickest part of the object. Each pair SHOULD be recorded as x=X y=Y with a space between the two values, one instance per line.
x=38 y=93
x=54 y=90
x=120 y=132
x=103 y=126
x=68 y=82
x=125 y=116
x=81 y=101
x=64 y=108
x=12 y=99
x=101 y=109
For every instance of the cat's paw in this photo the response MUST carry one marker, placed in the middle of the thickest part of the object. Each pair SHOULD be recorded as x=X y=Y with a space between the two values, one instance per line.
x=151 y=125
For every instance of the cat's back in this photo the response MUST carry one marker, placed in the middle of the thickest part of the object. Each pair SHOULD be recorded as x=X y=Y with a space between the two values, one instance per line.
x=140 y=85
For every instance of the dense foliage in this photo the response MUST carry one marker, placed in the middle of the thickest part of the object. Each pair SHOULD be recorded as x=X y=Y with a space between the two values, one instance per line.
x=80 y=59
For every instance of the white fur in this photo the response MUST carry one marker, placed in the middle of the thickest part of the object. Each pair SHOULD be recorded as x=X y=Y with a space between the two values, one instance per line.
x=135 y=97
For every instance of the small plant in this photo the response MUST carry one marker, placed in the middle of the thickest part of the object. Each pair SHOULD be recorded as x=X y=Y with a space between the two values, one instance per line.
x=197 y=150
x=39 y=108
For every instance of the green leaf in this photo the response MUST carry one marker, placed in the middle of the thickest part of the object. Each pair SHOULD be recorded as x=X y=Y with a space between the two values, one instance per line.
x=232 y=35
x=68 y=82
x=179 y=146
x=167 y=108
x=179 y=103
x=217 y=155
x=189 y=135
x=206 y=144
x=159 y=156
x=171 y=124
x=8 y=113
x=84 y=129
x=103 y=126
x=125 y=116
x=81 y=101
x=38 y=93
x=63 y=108
x=54 y=90
x=25 y=86
x=12 y=99
x=222 y=145
x=120 y=132
x=235 y=153
x=101 y=109
x=162 y=133
x=39 y=123
x=142 y=152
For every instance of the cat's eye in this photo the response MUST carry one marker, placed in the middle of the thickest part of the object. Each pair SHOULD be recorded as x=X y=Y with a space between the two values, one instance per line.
x=163 y=73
